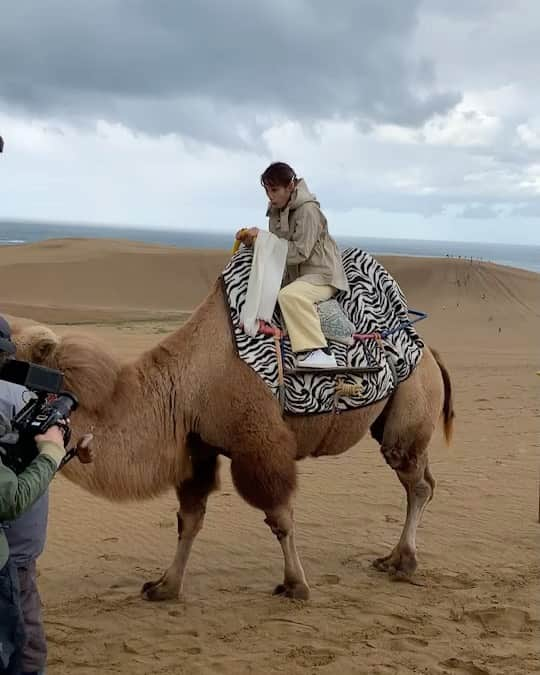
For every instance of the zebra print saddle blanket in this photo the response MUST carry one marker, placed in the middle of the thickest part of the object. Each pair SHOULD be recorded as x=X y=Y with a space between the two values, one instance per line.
x=374 y=304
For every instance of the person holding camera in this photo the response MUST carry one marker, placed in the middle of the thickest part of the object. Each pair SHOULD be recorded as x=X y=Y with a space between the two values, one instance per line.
x=23 y=525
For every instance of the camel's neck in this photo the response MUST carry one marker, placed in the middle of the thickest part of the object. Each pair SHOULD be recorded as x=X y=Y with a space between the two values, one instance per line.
x=139 y=434
x=135 y=445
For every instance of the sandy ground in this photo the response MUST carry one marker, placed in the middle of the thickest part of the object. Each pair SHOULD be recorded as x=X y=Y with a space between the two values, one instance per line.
x=475 y=606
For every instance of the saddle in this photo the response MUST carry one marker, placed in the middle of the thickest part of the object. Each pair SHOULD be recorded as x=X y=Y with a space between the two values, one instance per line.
x=368 y=328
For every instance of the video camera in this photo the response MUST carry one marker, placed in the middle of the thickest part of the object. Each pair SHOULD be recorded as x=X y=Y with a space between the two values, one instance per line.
x=48 y=406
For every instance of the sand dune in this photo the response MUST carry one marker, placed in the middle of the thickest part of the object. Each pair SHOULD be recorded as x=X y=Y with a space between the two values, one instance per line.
x=476 y=607
x=80 y=279
x=85 y=280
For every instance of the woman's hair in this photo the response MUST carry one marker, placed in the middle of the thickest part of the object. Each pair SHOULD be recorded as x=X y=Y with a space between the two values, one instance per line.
x=278 y=174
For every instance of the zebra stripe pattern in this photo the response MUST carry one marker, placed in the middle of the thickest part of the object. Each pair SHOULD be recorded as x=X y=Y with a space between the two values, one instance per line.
x=374 y=303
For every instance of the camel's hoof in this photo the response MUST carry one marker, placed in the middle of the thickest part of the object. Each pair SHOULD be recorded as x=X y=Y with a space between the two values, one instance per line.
x=400 y=575
x=298 y=591
x=382 y=564
x=158 y=590
x=397 y=565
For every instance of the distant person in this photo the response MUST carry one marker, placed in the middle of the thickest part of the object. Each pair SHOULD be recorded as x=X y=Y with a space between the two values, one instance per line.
x=314 y=269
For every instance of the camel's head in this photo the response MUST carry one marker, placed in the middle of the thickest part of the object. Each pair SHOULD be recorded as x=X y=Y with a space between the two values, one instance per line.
x=89 y=370
x=36 y=343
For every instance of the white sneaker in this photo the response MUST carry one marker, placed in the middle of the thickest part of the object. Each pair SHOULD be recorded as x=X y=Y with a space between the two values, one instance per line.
x=316 y=359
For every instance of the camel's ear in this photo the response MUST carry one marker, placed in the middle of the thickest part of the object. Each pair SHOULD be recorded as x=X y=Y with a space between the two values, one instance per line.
x=36 y=343
x=43 y=348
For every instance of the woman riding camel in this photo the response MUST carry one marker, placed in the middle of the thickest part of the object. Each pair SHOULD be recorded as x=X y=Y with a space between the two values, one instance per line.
x=314 y=271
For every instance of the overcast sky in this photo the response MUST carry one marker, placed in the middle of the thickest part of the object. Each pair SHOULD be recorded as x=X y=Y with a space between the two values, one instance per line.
x=408 y=118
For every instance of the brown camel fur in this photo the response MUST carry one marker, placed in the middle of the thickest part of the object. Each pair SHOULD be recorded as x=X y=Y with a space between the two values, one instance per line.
x=164 y=419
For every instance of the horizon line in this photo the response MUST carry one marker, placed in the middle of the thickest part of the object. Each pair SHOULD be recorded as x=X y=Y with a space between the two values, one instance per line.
x=159 y=228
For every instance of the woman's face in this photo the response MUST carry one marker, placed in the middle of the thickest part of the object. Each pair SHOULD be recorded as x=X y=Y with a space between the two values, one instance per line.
x=279 y=195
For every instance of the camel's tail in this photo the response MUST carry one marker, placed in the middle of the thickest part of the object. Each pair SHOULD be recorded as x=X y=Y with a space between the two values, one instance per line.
x=448 y=405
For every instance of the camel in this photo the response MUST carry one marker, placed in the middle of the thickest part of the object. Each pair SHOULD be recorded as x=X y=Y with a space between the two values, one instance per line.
x=164 y=420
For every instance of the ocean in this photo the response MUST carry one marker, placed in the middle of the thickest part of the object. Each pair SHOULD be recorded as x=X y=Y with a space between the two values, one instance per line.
x=524 y=257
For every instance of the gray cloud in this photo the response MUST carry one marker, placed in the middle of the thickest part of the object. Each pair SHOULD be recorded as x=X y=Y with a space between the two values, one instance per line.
x=483 y=44
x=480 y=212
x=234 y=74
x=206 y=67
x=464 y=10
x=530 y=209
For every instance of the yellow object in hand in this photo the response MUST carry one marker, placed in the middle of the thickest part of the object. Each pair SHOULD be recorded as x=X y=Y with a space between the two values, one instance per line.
x=237 y=242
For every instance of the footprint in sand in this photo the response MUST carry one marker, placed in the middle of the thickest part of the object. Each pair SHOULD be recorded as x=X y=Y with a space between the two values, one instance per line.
x=359 y=561
x=311 y=657
x=408 y=643
x=191 y=633
x=462 y=667
x=503 y=620
x=291 y=625
x=126 y=584
x=110 y=557
x=166 y=523
x=330 y=579
x=452 y=582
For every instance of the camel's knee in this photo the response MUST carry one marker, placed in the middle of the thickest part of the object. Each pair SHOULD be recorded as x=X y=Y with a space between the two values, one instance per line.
x=280 y=521
x=421 y=491
x=191 y=523
x=192 y=498
x=428 y=477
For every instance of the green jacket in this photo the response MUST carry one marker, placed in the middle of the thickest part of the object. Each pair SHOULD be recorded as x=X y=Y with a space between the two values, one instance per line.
x=312 y=254
x=19 y=492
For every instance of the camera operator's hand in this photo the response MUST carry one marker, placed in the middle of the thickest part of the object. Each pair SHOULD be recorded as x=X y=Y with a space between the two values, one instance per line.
x=53 y=434
x=51 y=443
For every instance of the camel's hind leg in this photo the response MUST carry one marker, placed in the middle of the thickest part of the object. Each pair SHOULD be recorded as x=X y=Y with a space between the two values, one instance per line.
x=404 y=431
x=419 y=486
x=192 y=497
x=266 y=478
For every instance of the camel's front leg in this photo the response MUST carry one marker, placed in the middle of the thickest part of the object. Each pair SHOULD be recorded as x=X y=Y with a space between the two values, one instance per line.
x=169 y=586
x=281 y=522
x=192 y=495
x=265 y=476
